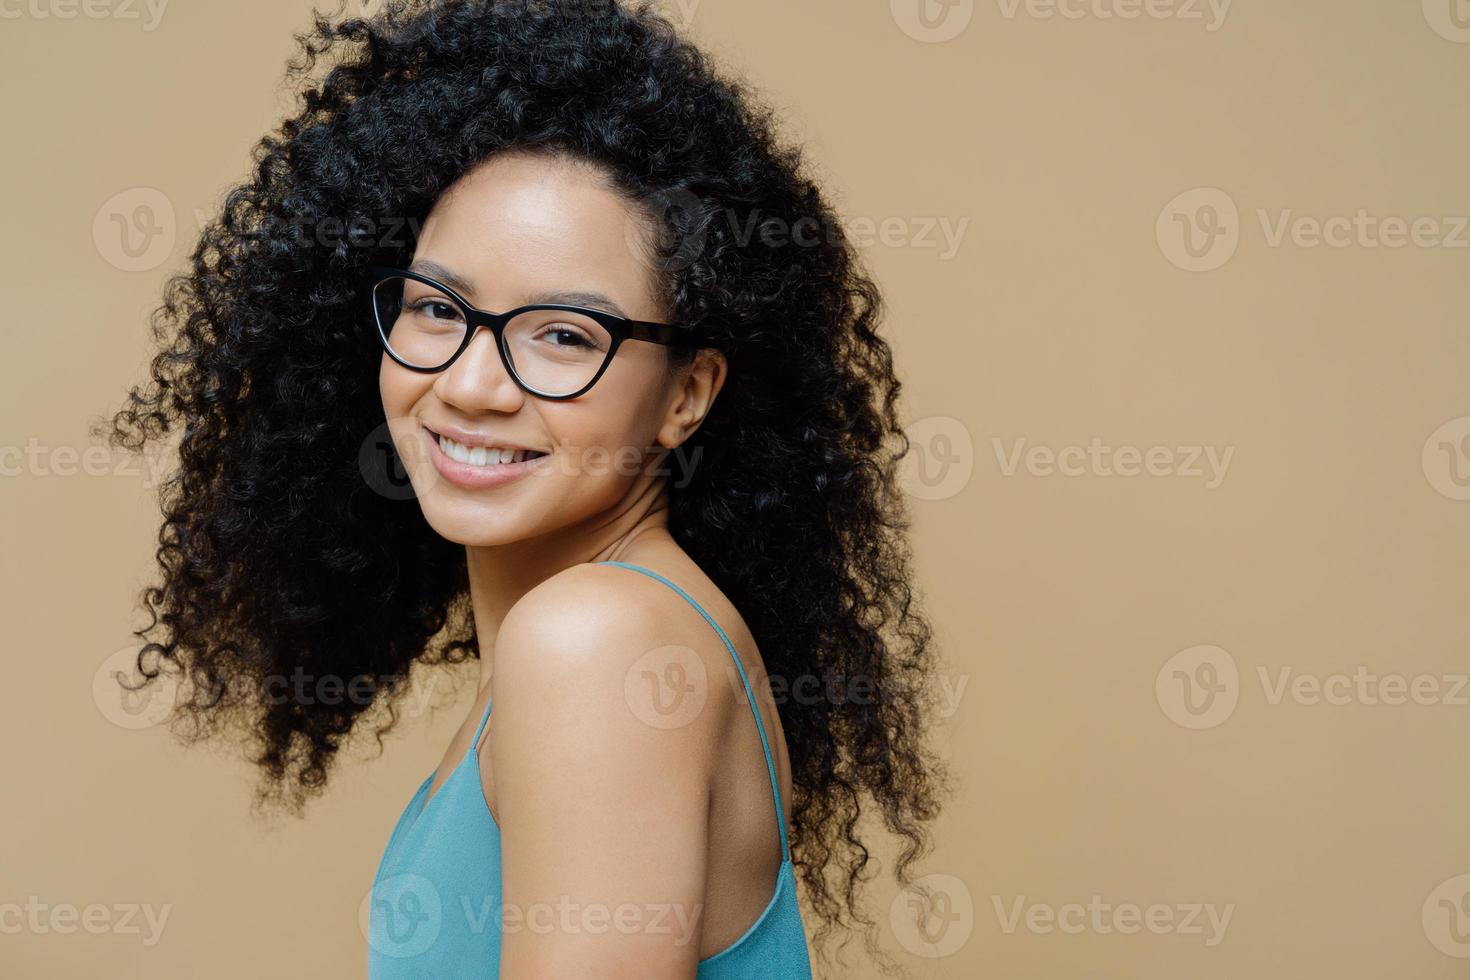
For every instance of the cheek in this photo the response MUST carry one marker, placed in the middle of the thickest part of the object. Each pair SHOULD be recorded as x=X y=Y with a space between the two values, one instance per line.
x=400 y=390
x=589 y=448
x=604 y=443
x=398 y=387
x=620 y=421
x=385 y=383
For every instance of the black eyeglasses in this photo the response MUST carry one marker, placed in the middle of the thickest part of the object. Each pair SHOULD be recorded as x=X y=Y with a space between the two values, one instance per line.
x=550 y=350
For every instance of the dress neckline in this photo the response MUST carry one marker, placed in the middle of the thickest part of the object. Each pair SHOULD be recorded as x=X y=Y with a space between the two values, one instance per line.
x=427 y=799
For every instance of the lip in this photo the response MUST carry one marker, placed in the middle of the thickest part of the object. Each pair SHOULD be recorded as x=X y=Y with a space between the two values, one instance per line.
x=474 y=440
x=477 y=477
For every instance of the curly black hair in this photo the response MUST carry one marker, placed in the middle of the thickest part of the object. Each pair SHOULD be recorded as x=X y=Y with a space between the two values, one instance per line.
x=279 y=560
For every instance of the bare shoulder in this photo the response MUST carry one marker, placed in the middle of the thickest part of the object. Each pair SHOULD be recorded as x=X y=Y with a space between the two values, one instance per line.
x=603 y=638
x=587 y=604
x=597 y=796
x=585 y=600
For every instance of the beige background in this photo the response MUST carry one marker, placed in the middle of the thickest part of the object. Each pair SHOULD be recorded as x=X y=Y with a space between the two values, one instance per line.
x=1074 y=606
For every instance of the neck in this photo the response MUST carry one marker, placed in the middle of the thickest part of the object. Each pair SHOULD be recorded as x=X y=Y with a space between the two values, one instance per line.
x=501 y=574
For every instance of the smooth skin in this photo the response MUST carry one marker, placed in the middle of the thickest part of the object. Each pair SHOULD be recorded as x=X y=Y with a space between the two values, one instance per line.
x=630 y=847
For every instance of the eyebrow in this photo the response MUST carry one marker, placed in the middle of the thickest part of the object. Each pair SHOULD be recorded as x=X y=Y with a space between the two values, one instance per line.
x=565 y=297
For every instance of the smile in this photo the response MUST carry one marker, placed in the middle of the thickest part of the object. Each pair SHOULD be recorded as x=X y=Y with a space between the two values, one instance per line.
x=480 y=467
x=483 y=456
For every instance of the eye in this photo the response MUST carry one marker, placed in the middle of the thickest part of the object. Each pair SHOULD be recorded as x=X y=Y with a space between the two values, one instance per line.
x=562 y=335
x=434 y=309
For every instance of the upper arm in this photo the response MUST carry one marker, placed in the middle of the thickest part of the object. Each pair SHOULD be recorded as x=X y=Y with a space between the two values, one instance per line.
x=603 y=808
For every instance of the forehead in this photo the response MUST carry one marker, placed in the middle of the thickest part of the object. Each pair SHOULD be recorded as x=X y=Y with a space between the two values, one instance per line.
x=523 y=224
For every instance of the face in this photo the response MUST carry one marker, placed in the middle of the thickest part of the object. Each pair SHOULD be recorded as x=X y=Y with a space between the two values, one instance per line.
x=521 y=229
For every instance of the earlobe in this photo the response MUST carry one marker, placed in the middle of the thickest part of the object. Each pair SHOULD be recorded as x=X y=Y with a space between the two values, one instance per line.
x=697 y=392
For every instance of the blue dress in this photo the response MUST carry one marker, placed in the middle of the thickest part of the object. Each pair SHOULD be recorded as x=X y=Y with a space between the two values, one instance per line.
x=435 y=902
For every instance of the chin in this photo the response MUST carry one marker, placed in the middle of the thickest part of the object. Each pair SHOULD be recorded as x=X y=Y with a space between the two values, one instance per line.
x=477 y=524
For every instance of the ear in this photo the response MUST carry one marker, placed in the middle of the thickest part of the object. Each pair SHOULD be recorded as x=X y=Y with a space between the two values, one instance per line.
x=693 y=395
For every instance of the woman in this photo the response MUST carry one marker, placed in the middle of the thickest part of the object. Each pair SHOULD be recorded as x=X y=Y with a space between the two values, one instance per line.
x=545 y=262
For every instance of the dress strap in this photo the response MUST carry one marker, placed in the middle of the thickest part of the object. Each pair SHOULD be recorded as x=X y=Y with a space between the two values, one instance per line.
x=760 y=726
x=474 y=743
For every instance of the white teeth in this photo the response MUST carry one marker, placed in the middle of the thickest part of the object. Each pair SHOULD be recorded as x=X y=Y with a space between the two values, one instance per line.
x=479 y=455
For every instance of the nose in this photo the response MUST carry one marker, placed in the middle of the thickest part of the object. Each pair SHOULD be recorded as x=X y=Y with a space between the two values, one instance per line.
x=478 y=380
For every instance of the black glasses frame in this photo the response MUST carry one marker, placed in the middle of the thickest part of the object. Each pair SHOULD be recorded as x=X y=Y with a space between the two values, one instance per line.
x=619 y=328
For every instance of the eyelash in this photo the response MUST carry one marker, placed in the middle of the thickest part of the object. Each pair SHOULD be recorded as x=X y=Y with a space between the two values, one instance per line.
x=421 y=304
